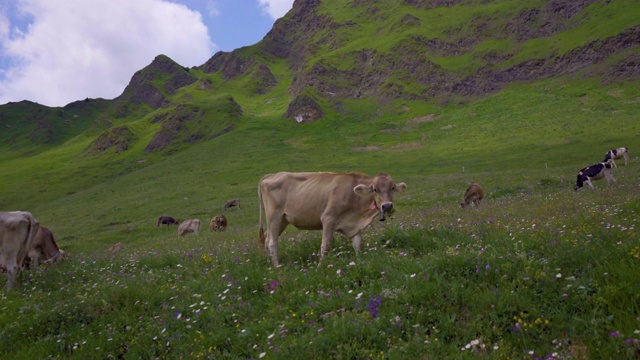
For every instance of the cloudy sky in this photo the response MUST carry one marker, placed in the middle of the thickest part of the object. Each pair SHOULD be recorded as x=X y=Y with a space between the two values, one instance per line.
x=54 y=52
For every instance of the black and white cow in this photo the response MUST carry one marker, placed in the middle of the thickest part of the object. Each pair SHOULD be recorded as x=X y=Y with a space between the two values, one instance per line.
x=621 y=152
x=595 y=172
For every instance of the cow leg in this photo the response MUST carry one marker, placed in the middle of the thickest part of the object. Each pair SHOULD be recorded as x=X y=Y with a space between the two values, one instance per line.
x=275 y=226
x=327 y=235
x=588 y=182
x=609 y=177
x=12 y=271
x=356 y=241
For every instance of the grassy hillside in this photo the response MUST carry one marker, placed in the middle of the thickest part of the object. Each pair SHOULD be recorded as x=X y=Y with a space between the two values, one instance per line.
x=538 y=271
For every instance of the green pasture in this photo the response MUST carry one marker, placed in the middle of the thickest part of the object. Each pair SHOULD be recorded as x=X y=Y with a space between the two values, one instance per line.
x=539 y=270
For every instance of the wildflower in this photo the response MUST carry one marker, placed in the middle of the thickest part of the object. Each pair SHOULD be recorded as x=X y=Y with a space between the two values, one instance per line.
x=373 y=304
x=262 y=355
x=339 y=272
x=614 y=334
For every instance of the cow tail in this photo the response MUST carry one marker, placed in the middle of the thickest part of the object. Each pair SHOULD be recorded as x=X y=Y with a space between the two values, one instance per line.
x=34 y=225
x=261 y=237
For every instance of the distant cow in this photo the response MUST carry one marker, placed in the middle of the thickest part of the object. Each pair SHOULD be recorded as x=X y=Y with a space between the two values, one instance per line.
x=18 y=230
x=115 y=248
x=167 y=220
x=331 y=202
x=44 y=249
x=189 y=226
x=618 y=153
x=231 y=203
x=595 y=172
x=472 y=196
x=218 y=223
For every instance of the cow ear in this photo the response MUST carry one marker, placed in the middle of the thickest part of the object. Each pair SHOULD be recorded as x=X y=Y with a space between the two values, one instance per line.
x=362 y=190
x=401 y=187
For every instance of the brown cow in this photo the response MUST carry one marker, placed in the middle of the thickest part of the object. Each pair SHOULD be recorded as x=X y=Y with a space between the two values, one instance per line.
x=331 y=202
x=44 y=249
x=472 y=196
x=189 y=226
x=167 y=220
x=18 y=230
x=115 y=248
x=218 y=223
x=231 y=203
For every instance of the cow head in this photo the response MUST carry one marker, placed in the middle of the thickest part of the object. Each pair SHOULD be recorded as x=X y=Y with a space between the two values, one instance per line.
x=382 y=187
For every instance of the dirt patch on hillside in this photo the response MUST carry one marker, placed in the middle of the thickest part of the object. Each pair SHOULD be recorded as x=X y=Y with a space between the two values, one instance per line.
x=367 y=148
x=423 y=119
x=407 y=146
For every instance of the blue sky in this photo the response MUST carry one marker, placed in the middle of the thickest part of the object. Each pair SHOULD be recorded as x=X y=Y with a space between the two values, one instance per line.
x=54 y=52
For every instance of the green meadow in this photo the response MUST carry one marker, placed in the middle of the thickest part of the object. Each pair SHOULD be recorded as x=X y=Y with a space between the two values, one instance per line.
x=537 y=271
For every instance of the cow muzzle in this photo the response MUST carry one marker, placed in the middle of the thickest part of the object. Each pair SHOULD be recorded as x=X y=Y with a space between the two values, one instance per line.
x=385 y=208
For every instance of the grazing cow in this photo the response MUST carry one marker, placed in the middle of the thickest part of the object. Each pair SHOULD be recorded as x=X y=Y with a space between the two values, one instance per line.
x=618 y=153
x=44 y=249
x=18 y=230
x=218 y=223
x=231 y=203
x=331 y=202
x=167 y=220
x=472 y=196
x=189 y=226
x=115 y=248
x=595 y=172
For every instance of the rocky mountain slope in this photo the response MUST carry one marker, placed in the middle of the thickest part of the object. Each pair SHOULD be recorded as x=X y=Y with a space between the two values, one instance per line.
x=323 y=53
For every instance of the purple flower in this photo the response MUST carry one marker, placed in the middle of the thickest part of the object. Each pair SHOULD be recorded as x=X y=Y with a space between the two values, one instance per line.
x=273 y=285
x=373 y=304
x=614 y=333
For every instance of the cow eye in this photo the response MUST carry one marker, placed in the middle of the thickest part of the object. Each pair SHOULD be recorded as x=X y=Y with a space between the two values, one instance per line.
x=375 y=190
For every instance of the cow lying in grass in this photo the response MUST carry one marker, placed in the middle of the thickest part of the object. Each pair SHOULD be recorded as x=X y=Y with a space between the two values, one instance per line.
x=473 y=195
x=218 y=223
x=167 y=220
x=595 y=172
x=619 y=153
x=189 y=226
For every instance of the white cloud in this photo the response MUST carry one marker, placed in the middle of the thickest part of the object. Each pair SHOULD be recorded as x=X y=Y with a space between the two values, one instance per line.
x=212 y=8
x=276 y=8
x=75 y=49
